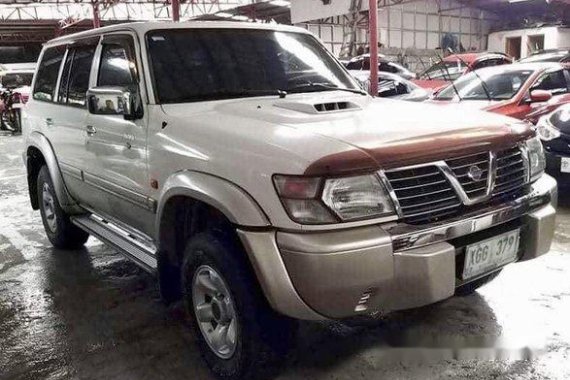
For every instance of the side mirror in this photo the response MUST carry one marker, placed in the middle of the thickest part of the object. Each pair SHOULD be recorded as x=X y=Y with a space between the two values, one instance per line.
x=540 y=96
x=107 y=100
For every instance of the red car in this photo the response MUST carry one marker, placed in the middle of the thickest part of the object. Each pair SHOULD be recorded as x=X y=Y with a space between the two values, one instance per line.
x=524 y=91
x=453 y=66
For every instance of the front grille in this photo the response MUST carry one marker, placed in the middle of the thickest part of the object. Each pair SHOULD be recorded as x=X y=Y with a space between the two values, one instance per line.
x=424 y=194
x=511 y=173
x=460 y=167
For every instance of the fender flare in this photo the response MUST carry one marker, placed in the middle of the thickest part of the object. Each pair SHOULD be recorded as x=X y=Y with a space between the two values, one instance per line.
x=40 y=142
x=231 y=200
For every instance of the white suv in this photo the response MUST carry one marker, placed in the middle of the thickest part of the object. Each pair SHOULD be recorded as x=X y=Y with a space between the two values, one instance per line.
x=243 y=165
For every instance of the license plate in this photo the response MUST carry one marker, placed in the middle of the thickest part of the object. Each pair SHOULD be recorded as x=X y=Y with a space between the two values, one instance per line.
x=490 y=254
x=565 y=165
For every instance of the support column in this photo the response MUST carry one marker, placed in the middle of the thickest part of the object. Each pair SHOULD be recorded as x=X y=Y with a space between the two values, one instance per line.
x=373 y=34
x=175 y=10
x=96 y=14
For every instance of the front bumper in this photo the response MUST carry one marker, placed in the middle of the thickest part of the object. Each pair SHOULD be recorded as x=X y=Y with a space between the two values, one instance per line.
x=345 y=273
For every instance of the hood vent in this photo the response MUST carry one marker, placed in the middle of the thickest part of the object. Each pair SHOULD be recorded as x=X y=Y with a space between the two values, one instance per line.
x=317 y=108
x=334 y=106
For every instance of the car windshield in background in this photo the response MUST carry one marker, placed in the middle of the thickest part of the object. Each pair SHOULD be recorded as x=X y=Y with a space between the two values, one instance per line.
x=497 y=86
x=15 y=80
x=210 y=64
x=444 y=71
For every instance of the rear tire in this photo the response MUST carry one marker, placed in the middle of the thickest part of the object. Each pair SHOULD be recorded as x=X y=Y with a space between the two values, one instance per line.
x=61 y=232
x=471 y=287
x=221 y=294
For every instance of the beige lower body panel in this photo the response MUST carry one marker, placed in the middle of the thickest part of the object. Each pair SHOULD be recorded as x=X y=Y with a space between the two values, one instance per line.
x=341 y=274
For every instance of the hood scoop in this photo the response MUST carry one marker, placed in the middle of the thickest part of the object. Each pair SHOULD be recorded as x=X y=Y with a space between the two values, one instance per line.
x=318 y=108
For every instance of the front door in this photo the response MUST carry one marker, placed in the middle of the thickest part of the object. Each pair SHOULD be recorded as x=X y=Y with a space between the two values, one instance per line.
x=118 y=146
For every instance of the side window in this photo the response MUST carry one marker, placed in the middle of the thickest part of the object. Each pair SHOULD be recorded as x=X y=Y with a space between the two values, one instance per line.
x=78 y=82
x=48 y=71
x=117 y=66
x=354 y=65
x=389 y=67
x=554 y=82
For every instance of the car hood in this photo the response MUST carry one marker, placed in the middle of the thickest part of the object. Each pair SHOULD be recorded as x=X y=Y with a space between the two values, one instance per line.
x=336 y=132
x=431 y=84
x=467 y=104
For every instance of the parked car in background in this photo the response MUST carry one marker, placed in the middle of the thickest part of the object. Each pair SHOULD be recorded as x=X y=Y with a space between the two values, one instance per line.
x=554 y=131
x=549 y=55
x=362 y=63
x=523 y=91
x=14 y=93
x=393 y=86
x=453 y=66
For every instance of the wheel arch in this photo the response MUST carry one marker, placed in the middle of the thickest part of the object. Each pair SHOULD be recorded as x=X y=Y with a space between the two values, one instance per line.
x=39 y=152
x=192 y=202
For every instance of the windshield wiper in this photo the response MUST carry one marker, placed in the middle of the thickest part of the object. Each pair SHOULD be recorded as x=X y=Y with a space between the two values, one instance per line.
x=326 y=87
x=254 y=92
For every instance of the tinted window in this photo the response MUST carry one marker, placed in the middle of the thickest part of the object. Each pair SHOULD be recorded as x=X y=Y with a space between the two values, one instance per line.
x=496 y=86
x=117 y=67
x=554 y=82
x=355 y=65
x=388 y=88
x=47 y=73
x=386 y=66
x=78 y=83
x=14 y=80
x=210 y=64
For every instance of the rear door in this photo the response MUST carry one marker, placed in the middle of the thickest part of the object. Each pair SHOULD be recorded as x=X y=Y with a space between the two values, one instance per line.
x=69 y=119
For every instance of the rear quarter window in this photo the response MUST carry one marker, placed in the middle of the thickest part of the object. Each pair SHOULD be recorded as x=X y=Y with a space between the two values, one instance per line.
x=48 y=70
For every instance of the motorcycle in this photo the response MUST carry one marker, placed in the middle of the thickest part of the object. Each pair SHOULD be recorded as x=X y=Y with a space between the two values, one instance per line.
x=10 y=111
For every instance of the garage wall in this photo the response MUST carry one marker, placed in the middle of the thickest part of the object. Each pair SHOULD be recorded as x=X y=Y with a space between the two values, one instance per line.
x=554 y=37
x=416 y=24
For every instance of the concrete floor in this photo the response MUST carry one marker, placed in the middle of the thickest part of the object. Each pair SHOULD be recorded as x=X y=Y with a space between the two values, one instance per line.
x=90 y=314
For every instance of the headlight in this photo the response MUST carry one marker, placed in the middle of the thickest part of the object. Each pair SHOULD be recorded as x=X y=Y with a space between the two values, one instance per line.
x=322 y=201
x=545 y=130
x=536 y=159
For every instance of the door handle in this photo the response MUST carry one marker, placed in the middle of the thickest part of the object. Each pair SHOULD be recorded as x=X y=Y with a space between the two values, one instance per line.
x=90 y=130
x=49 y=122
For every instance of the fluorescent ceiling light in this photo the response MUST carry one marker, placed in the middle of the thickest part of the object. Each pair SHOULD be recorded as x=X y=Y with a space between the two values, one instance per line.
x=224 y=14
x=240 y=18
x=281 y=3
x=517 y=1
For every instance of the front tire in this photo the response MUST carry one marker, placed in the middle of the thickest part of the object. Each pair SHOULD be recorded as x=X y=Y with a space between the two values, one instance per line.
x=61 y=232
x=239 y=335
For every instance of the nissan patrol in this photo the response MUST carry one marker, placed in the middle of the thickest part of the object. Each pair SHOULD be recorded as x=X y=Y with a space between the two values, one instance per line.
x=243 y=166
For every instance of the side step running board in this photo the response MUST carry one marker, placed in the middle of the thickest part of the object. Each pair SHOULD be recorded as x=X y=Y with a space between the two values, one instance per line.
x=130 y=244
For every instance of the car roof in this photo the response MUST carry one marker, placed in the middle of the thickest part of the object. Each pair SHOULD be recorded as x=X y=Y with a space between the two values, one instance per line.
x=535 y=66
x=143 y=27
x=472 y=57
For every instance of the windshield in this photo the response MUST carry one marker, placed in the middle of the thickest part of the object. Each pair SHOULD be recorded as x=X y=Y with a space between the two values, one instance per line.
x=210 y=64
x=444 y=71
x=498 y=85
x=14 y=80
